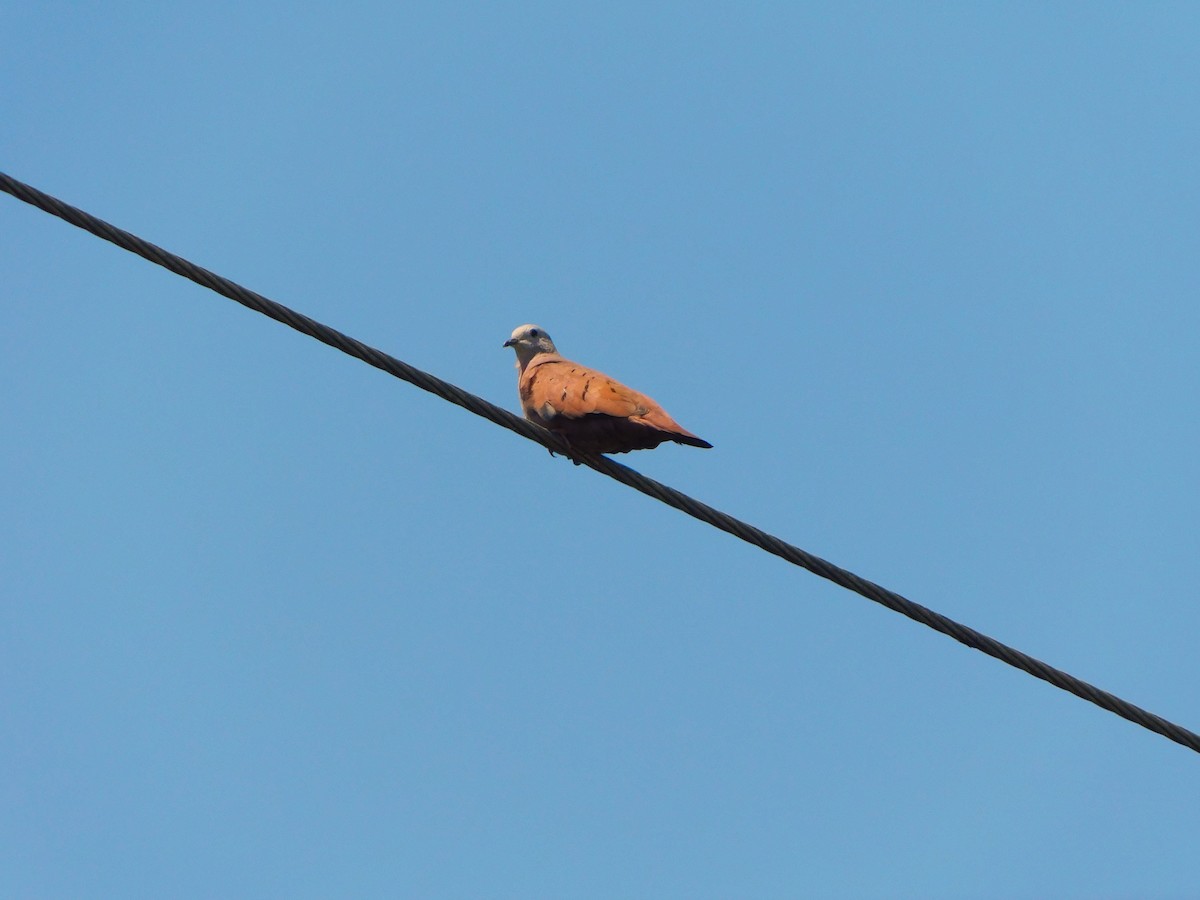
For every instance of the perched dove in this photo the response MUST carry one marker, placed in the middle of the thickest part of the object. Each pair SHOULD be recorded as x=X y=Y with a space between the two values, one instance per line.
x=594 y=413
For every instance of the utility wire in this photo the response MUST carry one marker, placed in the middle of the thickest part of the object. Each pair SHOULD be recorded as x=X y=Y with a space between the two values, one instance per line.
x=602 y=464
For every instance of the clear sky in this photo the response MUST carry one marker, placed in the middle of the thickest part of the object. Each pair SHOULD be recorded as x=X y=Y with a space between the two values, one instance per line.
x=277 y=625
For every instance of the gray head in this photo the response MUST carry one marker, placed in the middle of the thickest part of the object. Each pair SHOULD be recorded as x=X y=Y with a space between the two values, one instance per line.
x=529 y=341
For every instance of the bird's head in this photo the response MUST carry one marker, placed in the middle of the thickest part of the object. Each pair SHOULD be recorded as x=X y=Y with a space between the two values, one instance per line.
x=529 y=341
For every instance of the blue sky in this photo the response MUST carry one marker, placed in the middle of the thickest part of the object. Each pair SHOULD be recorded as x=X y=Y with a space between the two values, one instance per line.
x=275 y=624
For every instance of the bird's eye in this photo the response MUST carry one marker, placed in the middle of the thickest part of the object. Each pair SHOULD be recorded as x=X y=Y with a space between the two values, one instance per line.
x=535 y=333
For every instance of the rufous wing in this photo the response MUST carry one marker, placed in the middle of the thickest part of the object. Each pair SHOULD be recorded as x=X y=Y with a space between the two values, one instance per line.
x=594 y=412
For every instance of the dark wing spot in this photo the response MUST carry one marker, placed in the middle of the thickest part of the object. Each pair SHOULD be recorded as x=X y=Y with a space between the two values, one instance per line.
x=587 y=384
x=564 y=394
x=526 y=389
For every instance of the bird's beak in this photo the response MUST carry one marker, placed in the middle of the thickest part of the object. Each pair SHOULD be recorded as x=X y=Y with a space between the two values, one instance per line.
x=508 y=343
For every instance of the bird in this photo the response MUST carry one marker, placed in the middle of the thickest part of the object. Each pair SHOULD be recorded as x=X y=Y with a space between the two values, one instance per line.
x=592 y=412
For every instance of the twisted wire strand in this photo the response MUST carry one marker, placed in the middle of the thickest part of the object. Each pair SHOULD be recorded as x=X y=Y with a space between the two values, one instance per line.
x=668 y=495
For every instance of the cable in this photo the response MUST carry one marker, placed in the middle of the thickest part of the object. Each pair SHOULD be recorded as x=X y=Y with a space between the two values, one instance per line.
x=602 y=464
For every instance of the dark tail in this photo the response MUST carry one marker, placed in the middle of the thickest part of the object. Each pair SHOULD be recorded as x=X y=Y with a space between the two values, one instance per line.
x=691 y=440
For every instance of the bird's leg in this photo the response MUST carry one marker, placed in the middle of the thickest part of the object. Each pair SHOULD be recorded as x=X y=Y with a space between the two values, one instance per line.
x=571 y=454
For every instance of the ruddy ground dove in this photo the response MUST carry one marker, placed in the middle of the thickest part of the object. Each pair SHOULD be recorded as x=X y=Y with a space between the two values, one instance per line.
x=592 y=412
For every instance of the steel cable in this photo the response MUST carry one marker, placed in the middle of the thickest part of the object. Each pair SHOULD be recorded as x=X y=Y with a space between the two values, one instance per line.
x=602 y=464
